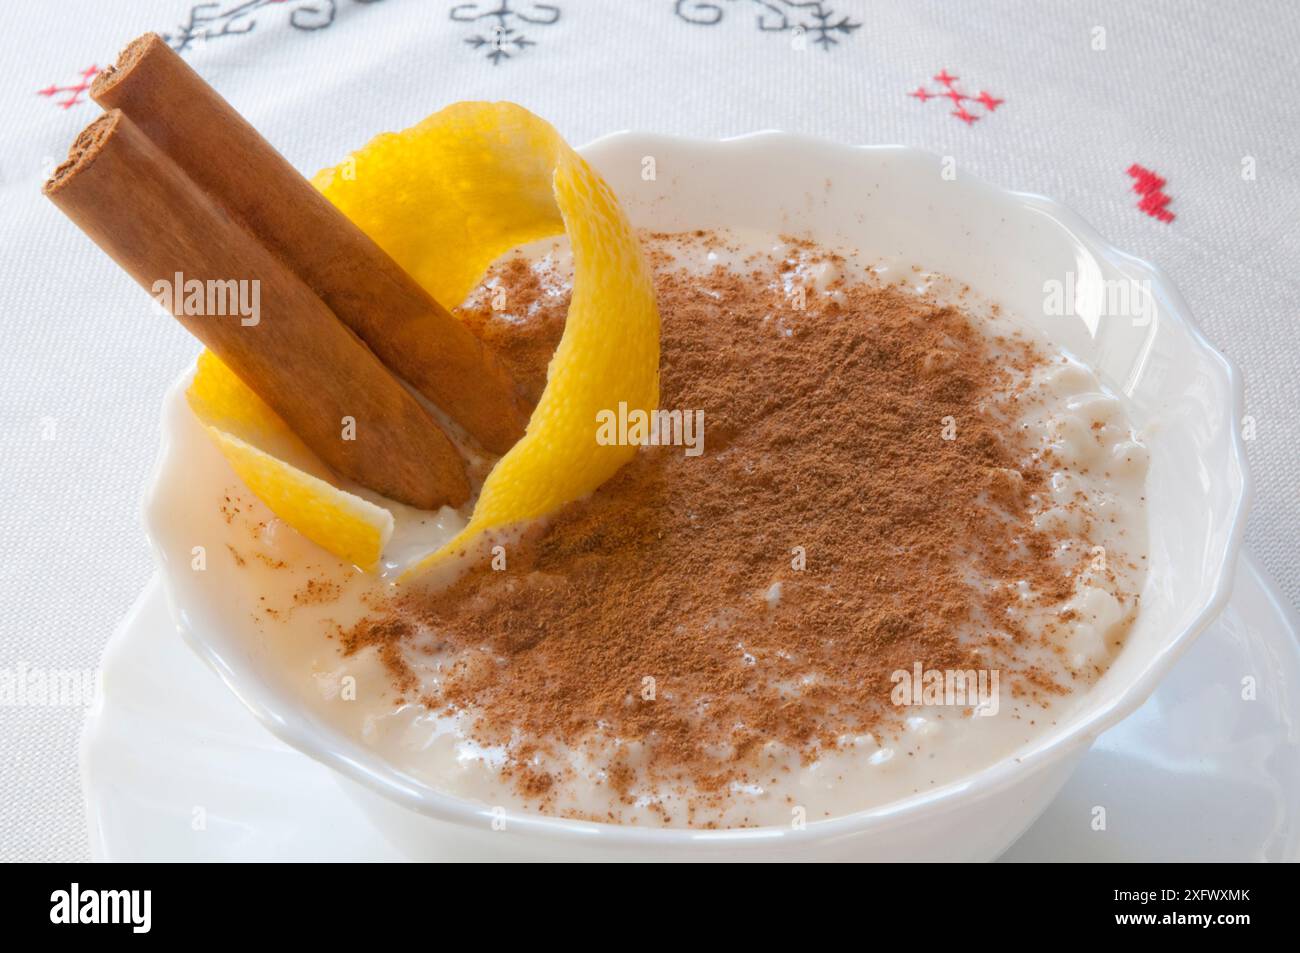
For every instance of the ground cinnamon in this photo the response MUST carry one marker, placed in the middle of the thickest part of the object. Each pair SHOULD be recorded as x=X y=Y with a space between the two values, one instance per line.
x=827 y=537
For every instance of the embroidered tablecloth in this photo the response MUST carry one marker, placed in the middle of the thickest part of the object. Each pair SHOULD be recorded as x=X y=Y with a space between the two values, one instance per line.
x=1170 y=125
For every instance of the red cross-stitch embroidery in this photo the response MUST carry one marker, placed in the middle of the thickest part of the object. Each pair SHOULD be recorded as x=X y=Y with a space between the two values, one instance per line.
x=948 y=90
x=75 y=93
x=1151 y=187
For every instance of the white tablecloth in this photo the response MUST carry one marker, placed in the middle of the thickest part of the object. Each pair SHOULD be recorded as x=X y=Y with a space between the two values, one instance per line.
x=1203 y=95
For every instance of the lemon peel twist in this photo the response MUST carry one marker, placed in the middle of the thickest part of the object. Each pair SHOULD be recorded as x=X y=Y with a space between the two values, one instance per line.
x=445 y=199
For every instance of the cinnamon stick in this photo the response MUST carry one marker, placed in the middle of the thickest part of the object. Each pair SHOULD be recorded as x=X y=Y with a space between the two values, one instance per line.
x=155 y=222
x=410 y=332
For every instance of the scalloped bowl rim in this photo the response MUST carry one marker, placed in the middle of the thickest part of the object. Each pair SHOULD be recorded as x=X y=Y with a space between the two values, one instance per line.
x=370 y=770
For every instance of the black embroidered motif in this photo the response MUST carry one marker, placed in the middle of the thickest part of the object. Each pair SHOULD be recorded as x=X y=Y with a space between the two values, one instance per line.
x=503 y=39
x=210 y=21
x=798 y=17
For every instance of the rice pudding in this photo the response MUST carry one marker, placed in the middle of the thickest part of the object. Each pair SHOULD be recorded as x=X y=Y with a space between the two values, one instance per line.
x=908 y=538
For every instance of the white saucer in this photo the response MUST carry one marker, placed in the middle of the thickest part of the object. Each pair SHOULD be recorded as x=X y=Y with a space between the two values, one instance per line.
x=175 y=768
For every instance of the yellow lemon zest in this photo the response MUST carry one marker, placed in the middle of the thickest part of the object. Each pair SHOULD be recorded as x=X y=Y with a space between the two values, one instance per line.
x=281 y=471
x=446 y=198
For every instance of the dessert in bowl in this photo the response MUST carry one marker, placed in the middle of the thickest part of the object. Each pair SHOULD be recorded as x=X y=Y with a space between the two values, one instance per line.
x=906 y=463
x=1179 y=398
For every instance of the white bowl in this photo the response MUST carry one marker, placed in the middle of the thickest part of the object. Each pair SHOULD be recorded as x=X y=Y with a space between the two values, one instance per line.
x=893 y=203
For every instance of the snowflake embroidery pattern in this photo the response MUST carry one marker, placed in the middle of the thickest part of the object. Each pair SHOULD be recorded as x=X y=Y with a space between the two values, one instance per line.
x=73 y=94
x=798 y=17
x=212 y=21
x=948 y=90
x=209 y=21
x=503 y=36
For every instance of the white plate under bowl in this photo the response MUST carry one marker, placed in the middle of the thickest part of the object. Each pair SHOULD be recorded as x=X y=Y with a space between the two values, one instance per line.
x=175 y=769
x=892 y=204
